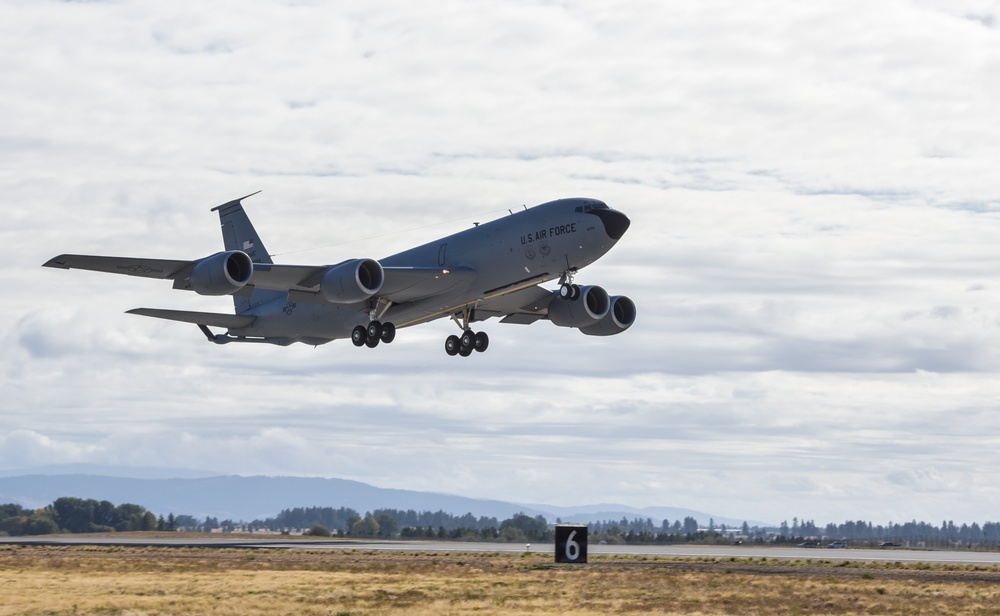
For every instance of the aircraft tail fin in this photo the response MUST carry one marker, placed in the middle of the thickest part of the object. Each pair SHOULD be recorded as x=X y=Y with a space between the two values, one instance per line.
x=238 y=233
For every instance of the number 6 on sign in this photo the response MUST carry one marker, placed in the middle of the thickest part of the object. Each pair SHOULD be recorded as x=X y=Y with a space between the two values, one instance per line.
x=571 y=543
x=572 y=547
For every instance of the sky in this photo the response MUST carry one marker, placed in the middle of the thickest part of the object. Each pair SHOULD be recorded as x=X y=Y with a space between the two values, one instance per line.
x=815 y=209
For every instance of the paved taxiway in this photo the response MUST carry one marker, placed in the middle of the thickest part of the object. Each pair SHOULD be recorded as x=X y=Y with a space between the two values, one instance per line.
x=670 y=551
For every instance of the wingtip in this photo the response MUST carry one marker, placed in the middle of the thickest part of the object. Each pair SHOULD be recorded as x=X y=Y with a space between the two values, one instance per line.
x=57 y=262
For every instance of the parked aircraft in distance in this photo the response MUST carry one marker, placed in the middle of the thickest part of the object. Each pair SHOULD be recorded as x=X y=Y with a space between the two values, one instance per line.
x=491 y=270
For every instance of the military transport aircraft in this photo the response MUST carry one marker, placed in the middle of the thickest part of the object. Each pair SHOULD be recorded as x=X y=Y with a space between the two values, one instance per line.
x=490 y=270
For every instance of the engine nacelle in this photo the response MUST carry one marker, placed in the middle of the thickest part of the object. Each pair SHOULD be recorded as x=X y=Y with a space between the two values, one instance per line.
x=223 y=273
x=352 y=281
x=590 y=307
x=619 y=318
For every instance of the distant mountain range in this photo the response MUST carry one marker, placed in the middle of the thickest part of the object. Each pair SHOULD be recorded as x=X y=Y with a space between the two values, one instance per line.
x=249 y=498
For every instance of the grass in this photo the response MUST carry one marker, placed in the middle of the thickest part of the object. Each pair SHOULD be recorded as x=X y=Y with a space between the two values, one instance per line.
x=170 y=581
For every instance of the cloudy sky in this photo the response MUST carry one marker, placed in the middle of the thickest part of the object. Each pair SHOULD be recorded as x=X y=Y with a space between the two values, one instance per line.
x=815 y=199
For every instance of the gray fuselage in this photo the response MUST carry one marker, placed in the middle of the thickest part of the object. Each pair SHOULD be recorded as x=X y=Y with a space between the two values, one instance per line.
x=528 y=247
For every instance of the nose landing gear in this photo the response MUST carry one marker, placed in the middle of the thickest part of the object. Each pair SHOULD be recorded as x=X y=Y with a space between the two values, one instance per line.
x=568 y=290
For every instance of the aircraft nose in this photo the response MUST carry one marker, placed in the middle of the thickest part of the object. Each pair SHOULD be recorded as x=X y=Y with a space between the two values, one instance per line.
x=615 y=223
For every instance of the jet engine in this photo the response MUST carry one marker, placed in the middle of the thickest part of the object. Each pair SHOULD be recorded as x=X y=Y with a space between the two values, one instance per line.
x=588 y=308
x=223 y=273
x=352 y=281
x=619 y=318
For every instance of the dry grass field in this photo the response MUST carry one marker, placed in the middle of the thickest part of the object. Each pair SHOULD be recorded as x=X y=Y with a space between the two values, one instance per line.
x=161 y=581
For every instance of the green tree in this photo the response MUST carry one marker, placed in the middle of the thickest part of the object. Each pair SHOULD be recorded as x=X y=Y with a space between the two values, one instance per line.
x=318 y=530
x=690 y=525
x=41 y=525
x=535 y=529
x=367 y=527
x=512 y=534
x=350 y=521
x=11 y=510
x=387 y=525
x=129 y=517
x=76 y=515
x=14 y=526
x=104 y=514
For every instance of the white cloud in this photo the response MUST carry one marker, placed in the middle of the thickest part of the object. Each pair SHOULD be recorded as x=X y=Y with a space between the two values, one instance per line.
x=813 y=196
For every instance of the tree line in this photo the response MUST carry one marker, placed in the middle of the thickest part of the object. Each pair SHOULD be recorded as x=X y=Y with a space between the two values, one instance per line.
x=948 y=534
x=77 y=515
x=408 y=524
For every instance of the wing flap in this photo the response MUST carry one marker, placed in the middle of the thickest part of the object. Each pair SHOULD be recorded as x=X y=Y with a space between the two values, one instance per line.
x=521 y=307
x=521 y=318
x=229 y=321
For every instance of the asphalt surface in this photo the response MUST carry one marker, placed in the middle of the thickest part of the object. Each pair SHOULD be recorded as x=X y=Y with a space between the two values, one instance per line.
x=671 y=551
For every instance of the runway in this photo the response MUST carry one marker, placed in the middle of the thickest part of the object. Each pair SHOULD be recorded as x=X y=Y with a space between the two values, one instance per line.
x=638 y=551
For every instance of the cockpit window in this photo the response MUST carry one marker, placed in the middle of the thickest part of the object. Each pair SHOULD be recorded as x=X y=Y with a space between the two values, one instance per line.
x=596 y=205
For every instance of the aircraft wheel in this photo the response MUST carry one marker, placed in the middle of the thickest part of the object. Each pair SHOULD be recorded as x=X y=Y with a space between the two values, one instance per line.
x=359 y=336
x=371 y=343
x=465 y=351
x=374 y=330
x=576 y=292
x=388 y=332
x=482 y=342
x=468 y=339
x=451 y=345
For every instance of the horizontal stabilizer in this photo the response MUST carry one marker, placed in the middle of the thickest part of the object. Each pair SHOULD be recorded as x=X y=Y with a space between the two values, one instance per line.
x=230 y=321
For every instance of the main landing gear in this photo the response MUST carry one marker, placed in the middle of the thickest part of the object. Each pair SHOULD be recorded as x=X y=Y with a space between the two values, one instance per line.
x=372 y=335
x=376 y=331
x=465 y=344
x=469 y=341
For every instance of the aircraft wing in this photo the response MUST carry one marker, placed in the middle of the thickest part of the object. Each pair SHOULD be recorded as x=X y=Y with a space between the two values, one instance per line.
x=401 y=284
x=164 y=269
x=265 y=275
